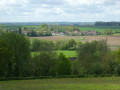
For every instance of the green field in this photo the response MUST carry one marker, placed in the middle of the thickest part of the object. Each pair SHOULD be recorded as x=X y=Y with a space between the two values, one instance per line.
x=99 y=28
x=98 y=83
x=116 y=34
x=65 y=52
x=68 y=53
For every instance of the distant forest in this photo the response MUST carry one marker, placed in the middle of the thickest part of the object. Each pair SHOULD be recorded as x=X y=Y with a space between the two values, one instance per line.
x=48 y=23
x=107 y=24
x=98 y=23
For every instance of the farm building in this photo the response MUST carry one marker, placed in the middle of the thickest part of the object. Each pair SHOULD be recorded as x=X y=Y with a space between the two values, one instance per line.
x=90 y=33
x=26 y=32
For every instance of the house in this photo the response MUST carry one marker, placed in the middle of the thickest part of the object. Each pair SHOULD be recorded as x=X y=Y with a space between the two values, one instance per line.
x=61 y=34
x=89 y=33
x=92 y=33
x=44 y=31
x=26 y=32
x=72 y=58
x=76 y=31
x=57 y=34
x=69 y=33
x=53 y=33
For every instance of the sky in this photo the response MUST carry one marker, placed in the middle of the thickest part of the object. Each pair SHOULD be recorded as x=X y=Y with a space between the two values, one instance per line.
x=59 y=10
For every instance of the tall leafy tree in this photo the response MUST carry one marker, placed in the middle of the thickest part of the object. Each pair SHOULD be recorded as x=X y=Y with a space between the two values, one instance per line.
x=72 y=44
x=117 y=62
x=40 y=45
x=21 y=52
x=19 y=30
x=6 y=58
x=64 y=65
x=90 y=56
x=45 y=63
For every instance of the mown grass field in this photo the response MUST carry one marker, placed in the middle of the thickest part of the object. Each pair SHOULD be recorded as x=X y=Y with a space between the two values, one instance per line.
x=65 y=52
x=94 y=83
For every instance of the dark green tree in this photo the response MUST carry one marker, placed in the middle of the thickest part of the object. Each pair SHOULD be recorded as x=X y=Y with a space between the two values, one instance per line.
x=21 y=52
x=64 y=65
x=40 y=45
x=36 y=45
x=6 y=59
x=90 y=56
x=71 y=44
x=117 y=62
x=118 y=55
x=20 y=30
x=33 y=33
x=44 y=27
x=1 y=29
x=45 y=63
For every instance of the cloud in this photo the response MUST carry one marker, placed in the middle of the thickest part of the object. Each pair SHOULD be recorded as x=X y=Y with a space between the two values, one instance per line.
x=49 y=2
x=59 y=10
x=85 y=2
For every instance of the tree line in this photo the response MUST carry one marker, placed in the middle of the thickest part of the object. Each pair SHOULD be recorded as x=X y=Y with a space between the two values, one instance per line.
x=92 y=58
x=40 y=45
x=107 y=24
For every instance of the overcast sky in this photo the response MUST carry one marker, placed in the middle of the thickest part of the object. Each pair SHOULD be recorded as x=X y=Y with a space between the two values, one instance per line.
x=59 y=10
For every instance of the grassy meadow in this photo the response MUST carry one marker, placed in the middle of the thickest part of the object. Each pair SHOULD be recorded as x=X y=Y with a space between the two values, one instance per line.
x=93 y=83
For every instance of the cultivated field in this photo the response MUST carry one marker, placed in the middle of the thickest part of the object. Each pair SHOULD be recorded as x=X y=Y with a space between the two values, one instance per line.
x=98 y=83
x=113 y=41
